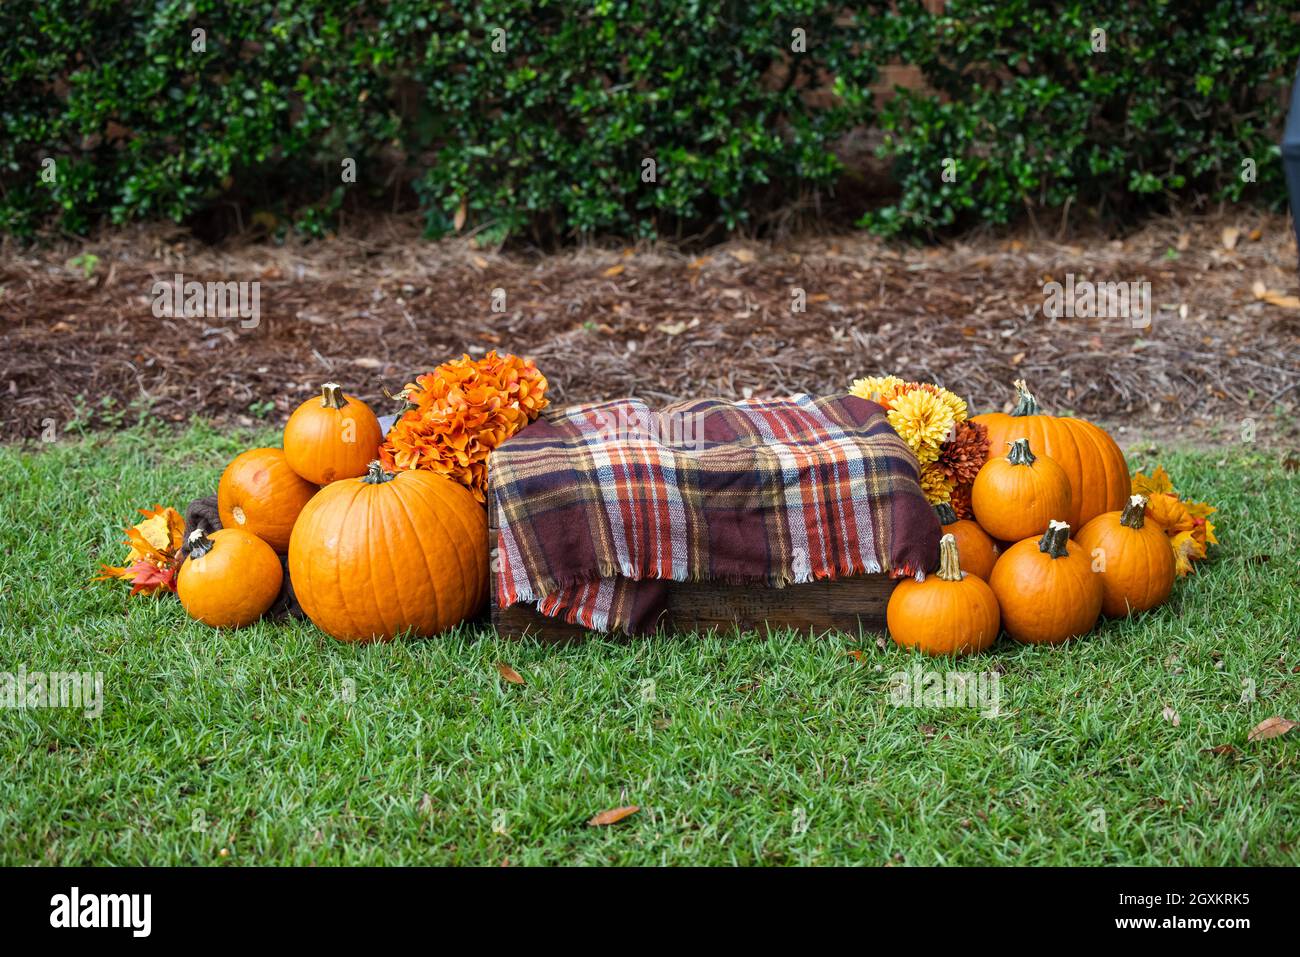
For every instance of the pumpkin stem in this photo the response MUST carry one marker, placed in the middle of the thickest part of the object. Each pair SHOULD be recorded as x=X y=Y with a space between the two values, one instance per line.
x=1135 y=512
x=375 y=474
x=1020 y=454
x=949 y=560
x=331 y=396
x=1053 y=542
x=945 y=512
x=1026 y=403
x=200 y=544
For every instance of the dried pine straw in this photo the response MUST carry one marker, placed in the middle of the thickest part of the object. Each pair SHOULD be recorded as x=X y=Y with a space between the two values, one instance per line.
x=374 y=308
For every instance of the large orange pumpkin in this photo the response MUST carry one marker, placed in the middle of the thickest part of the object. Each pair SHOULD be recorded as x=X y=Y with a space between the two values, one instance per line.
x=331 y=438
x=376 y=556
x=1046 y=589
x=1094 y=464
x=950 y=613
x=1132 y=559
x=1015 y=495
x=229 y=579
x=259 y=493
x=976 y=548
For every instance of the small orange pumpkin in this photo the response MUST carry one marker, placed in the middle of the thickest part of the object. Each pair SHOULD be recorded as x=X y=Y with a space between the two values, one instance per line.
x=976 y=548
x=375 y=556
x=950 y=613
x=1046 y=589
x=259 y=493
x=1016 y=495
x=1132 y=559
x=331 y=438
x=1094 y=464
x=229 y=579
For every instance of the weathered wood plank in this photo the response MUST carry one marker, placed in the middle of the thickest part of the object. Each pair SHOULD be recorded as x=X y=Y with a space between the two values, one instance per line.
x=847 y=604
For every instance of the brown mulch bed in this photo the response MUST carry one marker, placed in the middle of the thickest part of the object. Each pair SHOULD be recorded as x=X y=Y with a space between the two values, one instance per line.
x=374 y=308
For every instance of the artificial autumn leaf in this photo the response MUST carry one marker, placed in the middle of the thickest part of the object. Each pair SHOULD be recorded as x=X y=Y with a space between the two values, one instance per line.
x=155 y=552
x=1186 y=523
x=1158 y=482
x=612 y=816
x=1184 y=553
x=1273 y=727
x=1202 y=527
x=509 y=673
x=1169 y=512
x=147 y=578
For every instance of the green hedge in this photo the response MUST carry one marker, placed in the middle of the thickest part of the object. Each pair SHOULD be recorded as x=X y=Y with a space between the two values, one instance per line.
x=1037 y=118
x=549 y=138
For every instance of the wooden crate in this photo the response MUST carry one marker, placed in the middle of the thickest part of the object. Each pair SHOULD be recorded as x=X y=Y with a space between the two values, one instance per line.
x=847 y=604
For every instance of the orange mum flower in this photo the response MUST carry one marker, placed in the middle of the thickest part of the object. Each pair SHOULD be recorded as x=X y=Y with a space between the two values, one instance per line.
x=460 y=412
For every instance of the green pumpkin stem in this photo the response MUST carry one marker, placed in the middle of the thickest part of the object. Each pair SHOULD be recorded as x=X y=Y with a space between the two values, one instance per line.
x=375 y=474
x=1020 y=454
x=199 y=543
x=1026 y=403
x=331 y=396
x=949 y=560
x=1135 y=512
x=945 y=513
x=1053 y=542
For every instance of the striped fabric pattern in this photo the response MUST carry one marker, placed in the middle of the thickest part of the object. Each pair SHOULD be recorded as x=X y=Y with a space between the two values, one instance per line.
x=599 y=506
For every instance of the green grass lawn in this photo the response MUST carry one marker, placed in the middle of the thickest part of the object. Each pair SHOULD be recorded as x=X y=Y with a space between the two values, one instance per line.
x=277 y=744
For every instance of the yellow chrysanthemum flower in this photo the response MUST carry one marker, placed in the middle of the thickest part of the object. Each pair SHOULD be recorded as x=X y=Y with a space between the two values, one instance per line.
x=935 y=484
x=874 y=387
x=956 y=404
x=923 y=420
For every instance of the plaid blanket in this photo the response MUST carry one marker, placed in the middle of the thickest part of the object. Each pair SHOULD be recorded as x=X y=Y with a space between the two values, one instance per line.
x=599 y=506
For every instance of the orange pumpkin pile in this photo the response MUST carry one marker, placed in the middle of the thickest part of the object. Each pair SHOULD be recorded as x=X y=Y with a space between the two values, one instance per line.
x=1058 y=478
x=373 y=553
